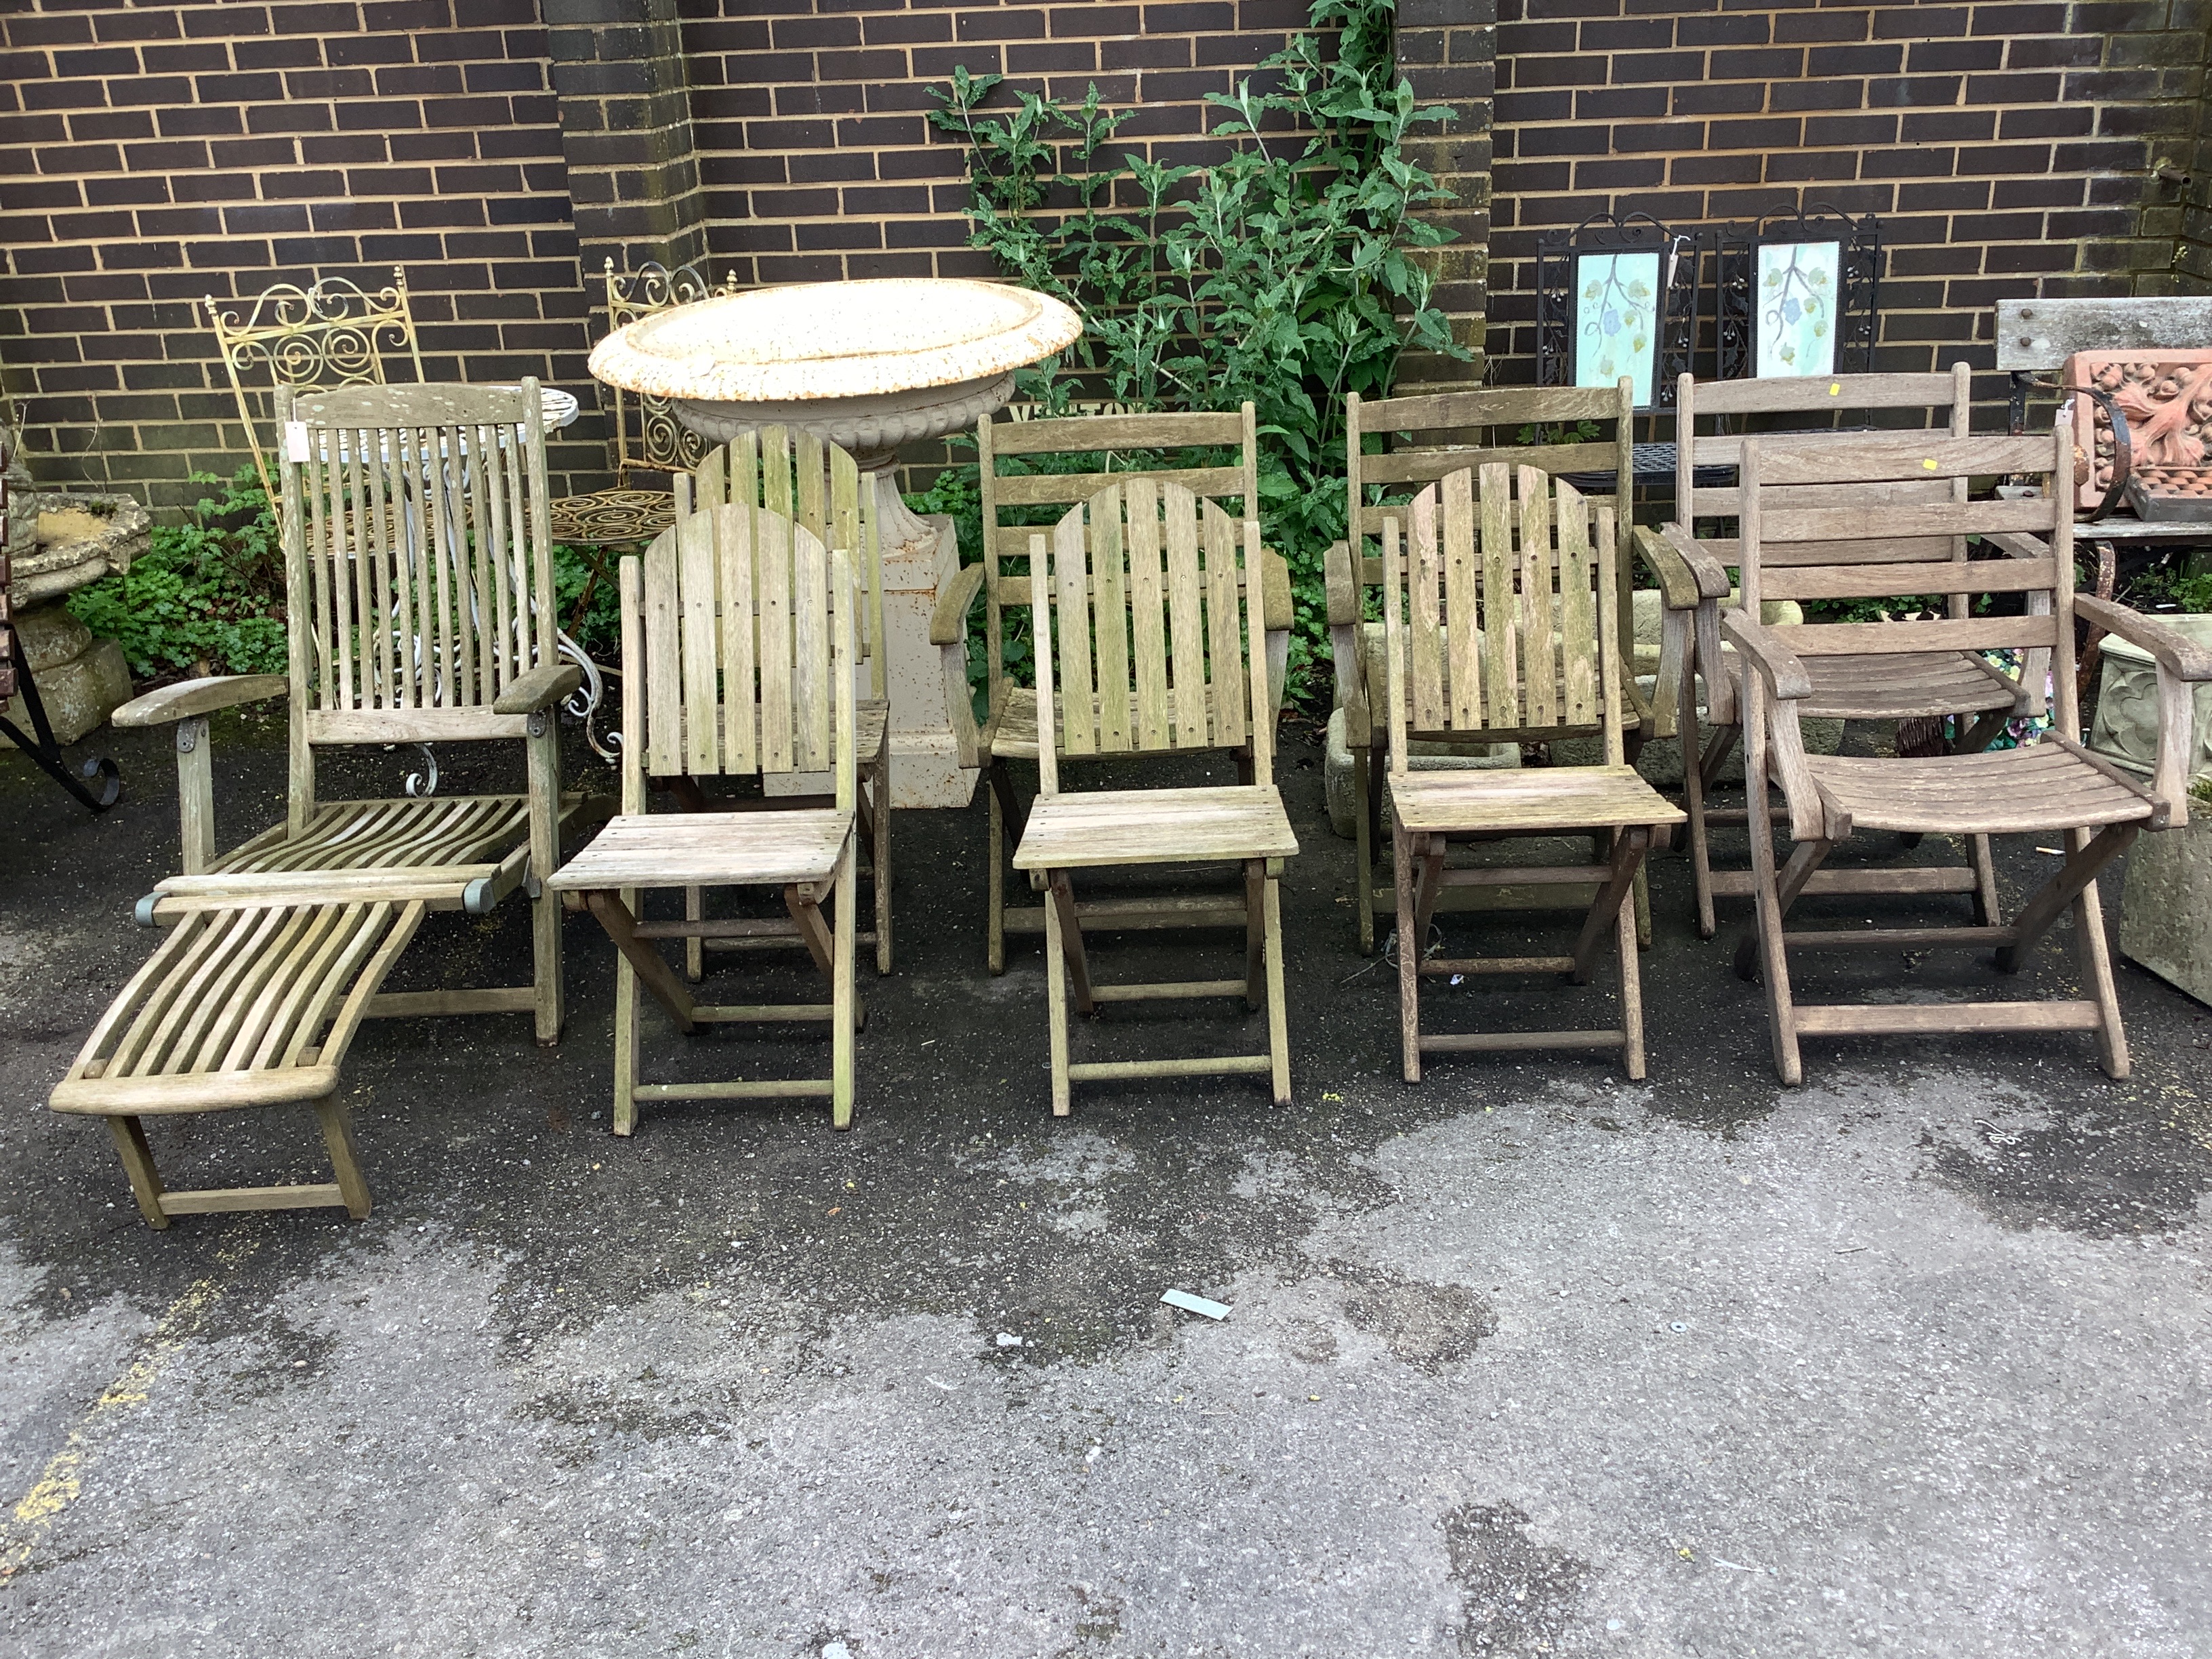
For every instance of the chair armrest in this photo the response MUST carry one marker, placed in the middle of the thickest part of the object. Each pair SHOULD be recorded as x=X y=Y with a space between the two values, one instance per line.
x=1710 y=575
x=948 y=621
x=1678 y=587
x=2176 y=652
x=1343 y=584
x=541 y=688
x=1761 y=646
x=1277 y=612
x=189 y=697
x=2015 y=544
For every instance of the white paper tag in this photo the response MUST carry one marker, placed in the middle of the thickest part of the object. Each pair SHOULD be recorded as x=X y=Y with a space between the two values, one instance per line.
x=295 y=440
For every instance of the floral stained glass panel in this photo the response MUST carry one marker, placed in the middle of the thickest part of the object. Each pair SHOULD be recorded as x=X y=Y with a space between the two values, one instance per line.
x=1797 y=300
x=1617 y=319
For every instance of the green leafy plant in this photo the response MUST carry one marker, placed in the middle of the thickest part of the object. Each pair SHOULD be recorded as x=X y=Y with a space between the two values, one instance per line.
x=1287 y=273
x=207 y=596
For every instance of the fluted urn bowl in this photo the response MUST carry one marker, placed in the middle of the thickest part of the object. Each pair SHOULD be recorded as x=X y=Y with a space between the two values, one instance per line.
x=869 y=365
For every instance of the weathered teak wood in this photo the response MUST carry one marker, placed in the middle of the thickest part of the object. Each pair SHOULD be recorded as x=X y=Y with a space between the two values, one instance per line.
x=1820 y=561
x=1424 y=440
x=2053 y=787
x=1147 y=636
x=1500 y=612
x=1134 y=445
x=419 y=571
x=738 y=647
x=818 y=485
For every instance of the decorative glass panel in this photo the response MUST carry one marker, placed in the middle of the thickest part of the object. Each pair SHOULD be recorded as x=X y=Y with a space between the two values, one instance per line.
x=1616 y=319
x=1796 y=301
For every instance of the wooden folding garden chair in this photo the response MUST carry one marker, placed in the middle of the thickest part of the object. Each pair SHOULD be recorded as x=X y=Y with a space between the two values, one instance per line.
x=1501 y=614
x=420 y=577
x=1163 y=448
x=1964 y=686
x=1420 y=439
x=737 y=661
x=1147 y=636
x=2052 y=787
x=818 y=485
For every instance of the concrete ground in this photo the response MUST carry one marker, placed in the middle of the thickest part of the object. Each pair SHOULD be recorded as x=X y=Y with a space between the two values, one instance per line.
x=1913 y=1359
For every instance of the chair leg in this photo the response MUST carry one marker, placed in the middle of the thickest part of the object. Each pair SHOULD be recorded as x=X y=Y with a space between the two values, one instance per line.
x=1805 y=859
x=1364 y=790
x=2093 y=950
x=1987 y=911
x=544 y=765
x=994 y=936
x=1409 y=955
x=1278 y=1035
x=1643 y=907
x=1774 y=962
x=1255 y=932
x=695 y=950
x=1060 y=898
x=882 y=857
x=626 y=1034
x=1631 y=996
x=138 y=1164
x=1693 y=801
x=841 y=1001
x=1056 y=998
x=1624 y=858
x=345 y=1157
x=2087 y=856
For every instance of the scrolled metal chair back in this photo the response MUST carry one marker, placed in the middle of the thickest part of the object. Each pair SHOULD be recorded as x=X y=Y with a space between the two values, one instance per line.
x=663 y=444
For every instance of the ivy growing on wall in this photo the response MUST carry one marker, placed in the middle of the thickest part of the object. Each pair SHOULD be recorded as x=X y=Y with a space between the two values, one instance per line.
x=1286 y=272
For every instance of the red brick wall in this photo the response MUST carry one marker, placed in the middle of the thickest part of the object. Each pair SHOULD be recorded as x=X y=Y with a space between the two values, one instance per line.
x=2009 y=146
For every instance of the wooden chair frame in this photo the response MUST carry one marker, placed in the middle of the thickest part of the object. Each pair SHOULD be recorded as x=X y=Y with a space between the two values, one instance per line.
x=420 y=570
x=1452 y=423
x=738 y=657
x=1877 y=696
x=1467 y=607
x=1173 y=668
x=2055 y=785
x=1009 y=728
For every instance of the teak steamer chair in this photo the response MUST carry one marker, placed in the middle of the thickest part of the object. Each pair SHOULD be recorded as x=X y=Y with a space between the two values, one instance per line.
x=1500 y=614
x=278 y=948
x=1844 y=688
x=737 y=661
x=2054 y=786
x=1136 y=656
x=1439 y=434
x=1009 y=732
x=818 y=485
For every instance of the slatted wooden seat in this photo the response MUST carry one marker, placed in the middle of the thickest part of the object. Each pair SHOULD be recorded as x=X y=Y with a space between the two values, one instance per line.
x=1878 y=686
x=2053 y=787
x=818 y=485
x=1425 y=439
x=1163 y=448
x=738 y=646
x=420 y=574
x=1140 y=654
x=1500 y=613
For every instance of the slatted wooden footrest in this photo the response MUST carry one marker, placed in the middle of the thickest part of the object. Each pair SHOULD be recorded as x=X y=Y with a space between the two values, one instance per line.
x=249 y=1007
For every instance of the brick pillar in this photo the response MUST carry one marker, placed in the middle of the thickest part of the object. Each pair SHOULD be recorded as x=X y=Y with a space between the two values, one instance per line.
x=626 y=131
x=1447 y=50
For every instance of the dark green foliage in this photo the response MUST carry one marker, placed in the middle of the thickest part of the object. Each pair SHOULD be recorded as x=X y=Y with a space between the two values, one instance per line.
x=589 y=605
x=1286 y=274
x=206 y=597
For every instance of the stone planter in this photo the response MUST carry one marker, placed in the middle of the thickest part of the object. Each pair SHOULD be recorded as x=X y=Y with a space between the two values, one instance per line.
x=2165 y=904
x=2126 y=726
x=58 y=543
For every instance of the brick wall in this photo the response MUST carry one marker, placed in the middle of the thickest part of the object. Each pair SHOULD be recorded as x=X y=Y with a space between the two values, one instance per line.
x=153 y=154
x=2010 y=147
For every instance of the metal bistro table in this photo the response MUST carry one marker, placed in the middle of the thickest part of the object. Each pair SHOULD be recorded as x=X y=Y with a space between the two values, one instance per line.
x=870 y=366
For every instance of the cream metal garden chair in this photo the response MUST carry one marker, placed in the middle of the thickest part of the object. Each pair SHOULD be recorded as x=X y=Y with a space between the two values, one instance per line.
x=2052 y=787
x=276 y=949
x=737 y=661
x=1135 y=446
x=1501 y=613
x=1148 y=642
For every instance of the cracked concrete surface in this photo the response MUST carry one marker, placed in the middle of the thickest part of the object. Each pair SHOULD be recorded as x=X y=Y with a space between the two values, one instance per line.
x=1914 y=1359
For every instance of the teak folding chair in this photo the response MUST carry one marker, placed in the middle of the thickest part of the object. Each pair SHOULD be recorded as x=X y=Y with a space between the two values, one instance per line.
x=1135 y=446
x=279 y=946
x=1141 y=649
x=1500 y=614
x=2052 y=787
x=818 y=485
x=738 y=649
x=1447 y=432
x=1844 y=688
